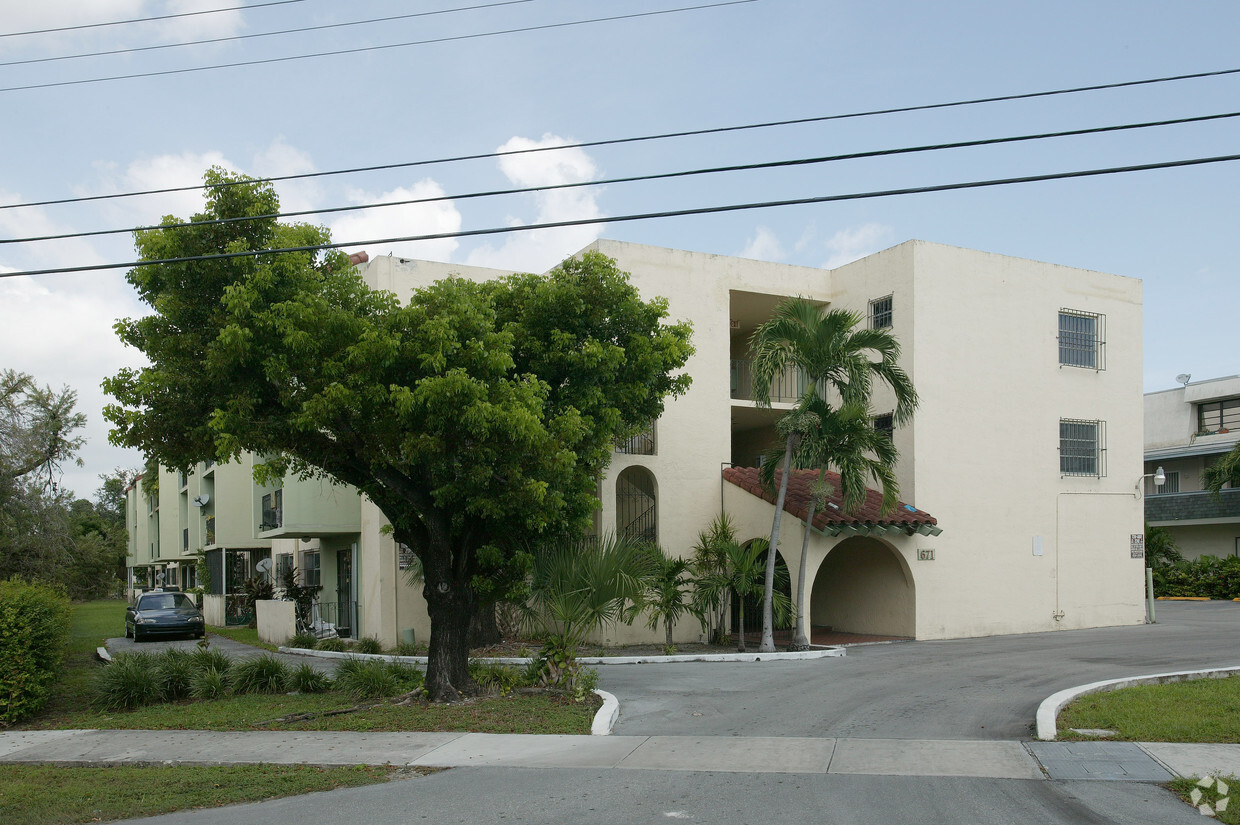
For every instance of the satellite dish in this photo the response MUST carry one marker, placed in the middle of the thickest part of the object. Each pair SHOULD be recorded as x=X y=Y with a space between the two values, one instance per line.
x=263 y=566
x=159 y=578
x=201 y=500
x=1183 y=378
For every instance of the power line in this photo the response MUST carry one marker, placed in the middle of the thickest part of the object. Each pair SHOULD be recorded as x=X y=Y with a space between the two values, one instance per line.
x=134 y=49
x=362 y=49
x=148 y=19
x=676 y=213
x=640 y=178
x=643 y=138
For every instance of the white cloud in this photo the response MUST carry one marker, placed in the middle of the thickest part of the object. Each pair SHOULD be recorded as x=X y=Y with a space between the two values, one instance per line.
x=402 y=221
x=57 y=14
x=848 y=245
x=279 y=159
x=33 y=222
x=59 y=330
x=763 y=246
x=539 y=250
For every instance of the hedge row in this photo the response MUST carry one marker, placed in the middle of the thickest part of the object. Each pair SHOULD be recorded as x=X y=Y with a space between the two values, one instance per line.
x=34 y=628
x=1207 y=576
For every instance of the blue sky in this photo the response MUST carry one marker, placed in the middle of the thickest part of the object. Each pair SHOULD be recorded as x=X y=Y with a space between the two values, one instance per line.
x=745 y=63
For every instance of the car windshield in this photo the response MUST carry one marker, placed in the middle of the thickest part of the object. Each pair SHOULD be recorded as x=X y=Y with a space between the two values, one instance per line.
x=165 y=601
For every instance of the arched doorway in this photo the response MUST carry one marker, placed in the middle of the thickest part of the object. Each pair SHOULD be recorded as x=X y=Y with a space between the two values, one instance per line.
x=753 y=604
x=864 y=586
x=637 y=505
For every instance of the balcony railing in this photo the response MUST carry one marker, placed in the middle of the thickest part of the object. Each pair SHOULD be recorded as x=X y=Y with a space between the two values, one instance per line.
x=329 y=619
x=785 y=388
x=1192 y=506
x=211 y=530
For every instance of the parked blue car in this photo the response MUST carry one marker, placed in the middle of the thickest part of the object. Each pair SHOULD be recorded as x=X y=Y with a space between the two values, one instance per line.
x=161 y=613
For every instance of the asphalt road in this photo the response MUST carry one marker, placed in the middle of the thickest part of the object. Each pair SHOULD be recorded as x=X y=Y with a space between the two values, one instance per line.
x=574 y=797
x=959 y=689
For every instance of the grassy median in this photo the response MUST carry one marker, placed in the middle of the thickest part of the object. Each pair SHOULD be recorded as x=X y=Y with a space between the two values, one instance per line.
x=1203 y=710
x=50 y=795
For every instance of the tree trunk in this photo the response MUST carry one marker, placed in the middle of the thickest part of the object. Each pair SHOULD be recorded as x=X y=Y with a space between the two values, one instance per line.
x=447 y=662
x=801 y=641
x=740 y=635
x=667 y=625
x=483 y=628
x=768 y=619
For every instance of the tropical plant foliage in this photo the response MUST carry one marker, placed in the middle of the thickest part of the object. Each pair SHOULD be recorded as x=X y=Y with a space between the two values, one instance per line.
x=839 y=361
x=476 y=416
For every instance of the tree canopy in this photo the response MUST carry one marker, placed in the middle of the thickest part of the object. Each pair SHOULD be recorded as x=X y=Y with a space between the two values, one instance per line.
x=476 y=416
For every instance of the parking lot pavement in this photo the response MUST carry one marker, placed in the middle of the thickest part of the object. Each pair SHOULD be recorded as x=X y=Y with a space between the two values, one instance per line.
x=237 y=650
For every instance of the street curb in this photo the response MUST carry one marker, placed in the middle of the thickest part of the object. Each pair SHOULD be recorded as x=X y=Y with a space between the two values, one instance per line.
x=606 y=717
x=1048 y=711
x=826 y=653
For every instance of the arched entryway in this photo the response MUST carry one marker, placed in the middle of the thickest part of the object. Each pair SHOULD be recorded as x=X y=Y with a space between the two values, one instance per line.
x=864 y=586
x=753 y=604
x=637 y=505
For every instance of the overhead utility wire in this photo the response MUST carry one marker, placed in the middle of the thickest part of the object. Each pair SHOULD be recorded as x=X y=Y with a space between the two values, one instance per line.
x=148 y=19
x=361 y=49
x=676 y=213
x=745 y=167
x=635 y=139
x=133 y=49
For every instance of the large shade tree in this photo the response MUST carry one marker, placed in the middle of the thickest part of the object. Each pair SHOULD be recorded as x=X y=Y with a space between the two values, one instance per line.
x=839 y=361
x=476 y=416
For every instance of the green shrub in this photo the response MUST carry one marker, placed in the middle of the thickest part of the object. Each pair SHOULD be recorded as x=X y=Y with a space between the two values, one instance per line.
x=129 y=681
x=1207 y=576
x=332 y=643
x=209 y=683
x=369 y=644
x=176 y=673
x=366 y=679
x=410 y=649
x=501 y=679
x=262 y=674
x=206 y=659
x=305 y=641
x=407 y=677
x=305 y=679
x=34 y=627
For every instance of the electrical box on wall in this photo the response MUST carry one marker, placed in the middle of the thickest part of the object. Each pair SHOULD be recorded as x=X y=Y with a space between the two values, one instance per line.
x=1037 y=545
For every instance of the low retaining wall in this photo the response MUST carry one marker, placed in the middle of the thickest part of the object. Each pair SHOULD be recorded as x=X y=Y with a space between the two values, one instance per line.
x=213 y=609
x=277 y=621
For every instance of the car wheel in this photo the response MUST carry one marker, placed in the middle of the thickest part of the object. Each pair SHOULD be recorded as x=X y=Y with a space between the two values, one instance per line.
x=128 y=632
x=136 y=636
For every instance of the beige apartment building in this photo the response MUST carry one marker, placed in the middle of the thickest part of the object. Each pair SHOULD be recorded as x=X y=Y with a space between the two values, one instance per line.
x=1187 y=429
x=1019 y=474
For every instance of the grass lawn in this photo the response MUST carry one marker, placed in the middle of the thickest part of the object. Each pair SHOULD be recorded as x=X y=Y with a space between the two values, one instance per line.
x=49 y=795
x=1184 y=788
x=1203 y=710
x=245 y=635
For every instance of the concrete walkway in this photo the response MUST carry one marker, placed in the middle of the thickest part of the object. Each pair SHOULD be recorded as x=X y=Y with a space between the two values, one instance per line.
x=1119 y=761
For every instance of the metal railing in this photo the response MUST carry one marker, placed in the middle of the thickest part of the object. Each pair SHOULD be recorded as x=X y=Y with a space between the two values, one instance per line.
x=785 y=388
x=641 y=444
x=329 y=619
x=211 y=530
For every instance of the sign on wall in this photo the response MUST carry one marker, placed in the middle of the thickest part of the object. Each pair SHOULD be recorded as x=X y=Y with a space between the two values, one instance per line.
x=1136 y=545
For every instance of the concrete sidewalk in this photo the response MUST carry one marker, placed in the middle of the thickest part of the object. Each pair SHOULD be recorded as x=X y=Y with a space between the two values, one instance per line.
x=1130 y=761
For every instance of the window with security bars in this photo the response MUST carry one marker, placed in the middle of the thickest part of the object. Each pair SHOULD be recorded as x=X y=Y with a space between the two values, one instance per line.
x=885 y=424
x=643 y=443
x=312 y=575
x=1082 y=448
x=880 y=313
x=1218 y=416
x=1081 y=339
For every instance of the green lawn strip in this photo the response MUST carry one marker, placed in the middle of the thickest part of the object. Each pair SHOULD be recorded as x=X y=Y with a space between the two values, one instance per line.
x=512 y=714
x=52 y=795
x=90 y=624
x=245 y=635
x=1183 y=788
x=1203 y=710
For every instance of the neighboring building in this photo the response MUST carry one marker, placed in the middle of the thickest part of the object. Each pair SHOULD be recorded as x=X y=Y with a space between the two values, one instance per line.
x=1021 y=459
x=1187 y=429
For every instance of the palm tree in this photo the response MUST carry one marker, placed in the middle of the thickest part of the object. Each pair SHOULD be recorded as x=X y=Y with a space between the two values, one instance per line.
x=833 y=356
x=740 y=575
x=1225 y=471
x=667 y=598
x=845 y=438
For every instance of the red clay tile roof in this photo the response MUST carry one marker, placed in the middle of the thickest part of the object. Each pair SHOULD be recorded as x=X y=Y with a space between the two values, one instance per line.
x=798 y=498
